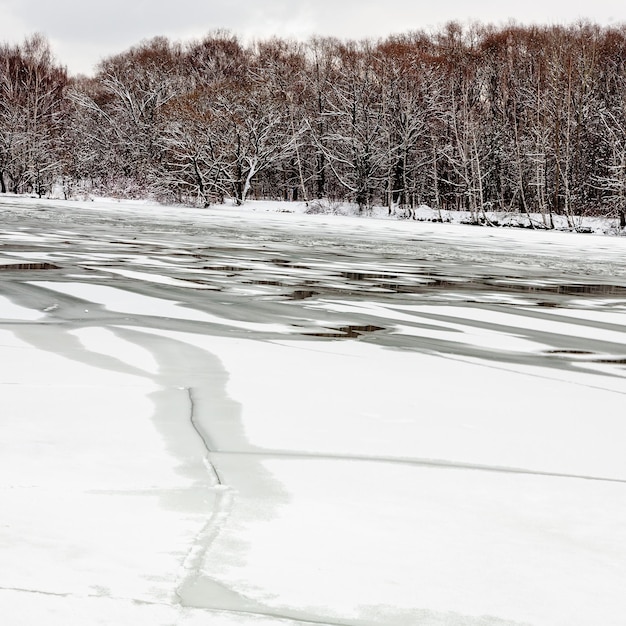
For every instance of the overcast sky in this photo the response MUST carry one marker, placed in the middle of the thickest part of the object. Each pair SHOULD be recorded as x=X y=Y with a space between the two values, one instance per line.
x=83 y=31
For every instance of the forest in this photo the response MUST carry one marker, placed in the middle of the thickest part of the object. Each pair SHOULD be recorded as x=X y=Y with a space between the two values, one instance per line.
x=479 y=118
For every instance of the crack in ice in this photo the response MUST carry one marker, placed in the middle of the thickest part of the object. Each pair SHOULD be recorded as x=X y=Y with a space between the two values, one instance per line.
x=435 y=463
x=192 y=563
x=88 y=596
x=203 y=437
x=215 y=610
x=202 y=542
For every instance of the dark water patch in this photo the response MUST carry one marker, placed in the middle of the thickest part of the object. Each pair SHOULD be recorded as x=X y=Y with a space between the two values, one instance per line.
x=366 y=276
x=303 y=294
x=584 y=352
x=265 y=283
x=401 y=288
x=571 y=289
x=347 y=332
x=28 y=266
x=225 y=268
x=610 y=361
x=288 y=263
x=423 y=283
x=591 y=290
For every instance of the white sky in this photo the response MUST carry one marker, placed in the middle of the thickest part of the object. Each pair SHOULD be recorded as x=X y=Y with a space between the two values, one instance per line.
x=84 y=31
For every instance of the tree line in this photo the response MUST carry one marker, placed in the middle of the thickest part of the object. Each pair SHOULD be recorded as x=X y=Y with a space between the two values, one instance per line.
x=529 y=119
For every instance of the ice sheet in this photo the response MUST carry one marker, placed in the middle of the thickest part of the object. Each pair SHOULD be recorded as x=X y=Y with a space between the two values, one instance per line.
x=304 y=442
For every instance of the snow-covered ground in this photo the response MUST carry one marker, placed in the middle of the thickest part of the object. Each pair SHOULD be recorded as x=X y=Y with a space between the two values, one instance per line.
x=259 y=417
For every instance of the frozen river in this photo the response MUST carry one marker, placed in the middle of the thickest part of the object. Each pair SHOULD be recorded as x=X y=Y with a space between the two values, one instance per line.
x=241 y=417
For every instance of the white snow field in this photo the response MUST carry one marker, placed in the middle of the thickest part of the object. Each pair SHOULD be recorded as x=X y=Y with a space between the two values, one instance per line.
x=258 y=417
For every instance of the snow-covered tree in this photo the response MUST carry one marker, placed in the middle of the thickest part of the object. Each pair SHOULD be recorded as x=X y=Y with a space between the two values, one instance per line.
x=32 y=110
